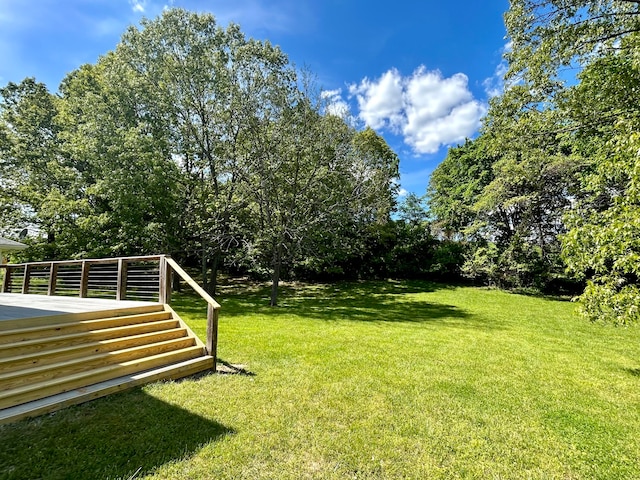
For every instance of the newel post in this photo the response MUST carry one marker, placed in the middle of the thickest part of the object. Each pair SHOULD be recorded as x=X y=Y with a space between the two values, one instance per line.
x=212 y=334
x=53 y=278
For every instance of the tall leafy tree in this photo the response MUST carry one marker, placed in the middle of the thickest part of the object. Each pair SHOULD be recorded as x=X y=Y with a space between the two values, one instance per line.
x=597 y=120
x=603 y=244
x=456 y=184
x=313 y=179
x=130 y=175
x=204 y=86
x=41 y=188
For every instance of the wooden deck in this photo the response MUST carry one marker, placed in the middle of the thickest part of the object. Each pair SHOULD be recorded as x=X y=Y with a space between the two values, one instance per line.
x=15 y=306
x=58 y=350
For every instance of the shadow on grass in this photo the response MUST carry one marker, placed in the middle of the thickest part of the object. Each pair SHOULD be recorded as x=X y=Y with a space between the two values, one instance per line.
x=633 y=371
x=226 y=368
x=380 y=301
x=120 y=436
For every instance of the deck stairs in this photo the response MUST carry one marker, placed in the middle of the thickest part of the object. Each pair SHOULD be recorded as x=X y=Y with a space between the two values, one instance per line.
x=47 y=363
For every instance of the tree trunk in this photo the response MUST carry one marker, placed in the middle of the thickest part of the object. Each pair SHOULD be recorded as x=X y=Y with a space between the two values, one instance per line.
x=204 y=270
x=275 y=279
x=176 y=286
x=213 y=276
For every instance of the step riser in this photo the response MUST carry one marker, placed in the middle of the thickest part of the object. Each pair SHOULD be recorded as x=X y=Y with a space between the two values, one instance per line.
x=40 y=345
x=14 y=336
x=66 y=353
x=34 y=391
x=76 y=366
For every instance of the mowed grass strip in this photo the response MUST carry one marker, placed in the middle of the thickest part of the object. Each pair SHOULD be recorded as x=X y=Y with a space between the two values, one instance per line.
x=366 y=380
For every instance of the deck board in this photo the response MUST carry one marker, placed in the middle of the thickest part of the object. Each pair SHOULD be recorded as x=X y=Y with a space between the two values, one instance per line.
x=15 y=305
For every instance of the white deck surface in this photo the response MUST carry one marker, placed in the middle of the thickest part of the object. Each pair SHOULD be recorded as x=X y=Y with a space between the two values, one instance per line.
x=16 y=305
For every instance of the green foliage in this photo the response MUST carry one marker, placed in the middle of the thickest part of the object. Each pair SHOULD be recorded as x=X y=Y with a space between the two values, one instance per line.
x=604 y=225
x=508 y=201
x=30 y=166
x=396 y=249
x=189 y=138
x=561 y=186
x=613 y=302
x=549 y=34
x=456 y=184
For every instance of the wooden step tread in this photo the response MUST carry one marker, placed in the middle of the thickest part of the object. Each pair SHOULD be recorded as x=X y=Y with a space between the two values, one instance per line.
x=84 y=325
x=78 y=316
x=13 y=379
x=93 y=347
x=23 y=346
x=33 y=391
x=97 y=390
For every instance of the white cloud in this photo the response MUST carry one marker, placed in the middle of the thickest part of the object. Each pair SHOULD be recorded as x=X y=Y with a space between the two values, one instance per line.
x=494 y=85
x=429 y=110
x=380 y=102
x=138 y=6
x=335 y=105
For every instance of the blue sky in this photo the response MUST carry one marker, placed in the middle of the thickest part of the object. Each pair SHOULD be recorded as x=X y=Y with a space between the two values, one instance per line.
x=419 y=72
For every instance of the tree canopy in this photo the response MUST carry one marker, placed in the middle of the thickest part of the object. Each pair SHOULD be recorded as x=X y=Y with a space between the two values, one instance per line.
x=560 y=196
x=189 y=138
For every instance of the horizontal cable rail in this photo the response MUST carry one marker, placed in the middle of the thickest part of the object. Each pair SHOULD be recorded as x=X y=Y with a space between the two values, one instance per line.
x=121 y=278
x=141 y=278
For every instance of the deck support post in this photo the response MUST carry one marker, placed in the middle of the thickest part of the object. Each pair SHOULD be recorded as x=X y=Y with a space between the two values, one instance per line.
x=6 y=285
x=164 y=285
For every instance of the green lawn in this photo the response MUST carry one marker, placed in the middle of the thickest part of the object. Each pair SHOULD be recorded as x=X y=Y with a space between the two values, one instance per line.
x=366 y=380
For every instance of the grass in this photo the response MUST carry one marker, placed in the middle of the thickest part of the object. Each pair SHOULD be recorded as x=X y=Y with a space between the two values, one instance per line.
x=366 y=380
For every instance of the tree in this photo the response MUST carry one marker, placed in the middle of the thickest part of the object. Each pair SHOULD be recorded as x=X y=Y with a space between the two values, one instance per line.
x=602 y=244
x=204 y=86
x=312 y=180
x=41 y=188
x=413 y=209
x=130 y=177
x=456 y=184
x=597 y=119
x=547 y=35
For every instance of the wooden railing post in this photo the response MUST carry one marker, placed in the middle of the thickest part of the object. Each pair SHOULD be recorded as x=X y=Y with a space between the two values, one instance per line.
x=162 y=280
x=26 y=279
x=6 y=285
x=121 y=286
x=211 y=345
x=168 y=281
x=212 y=333
x=84 y=279
x=53 y=278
